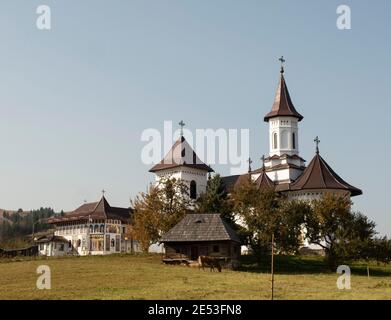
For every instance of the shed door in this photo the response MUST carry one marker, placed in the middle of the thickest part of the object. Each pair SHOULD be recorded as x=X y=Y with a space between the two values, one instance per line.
x=194 y=253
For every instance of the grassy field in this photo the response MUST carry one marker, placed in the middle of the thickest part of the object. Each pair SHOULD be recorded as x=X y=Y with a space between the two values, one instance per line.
x=145 y=277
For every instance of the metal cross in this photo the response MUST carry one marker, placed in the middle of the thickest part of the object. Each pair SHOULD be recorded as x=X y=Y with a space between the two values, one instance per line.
x=282 y=60
x=182 y=124
x=103 y=192
x=263 y=160
x=249 y=164
x=317 y=141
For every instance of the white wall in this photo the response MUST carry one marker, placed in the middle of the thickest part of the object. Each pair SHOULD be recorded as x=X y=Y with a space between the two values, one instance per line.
x=284 y=127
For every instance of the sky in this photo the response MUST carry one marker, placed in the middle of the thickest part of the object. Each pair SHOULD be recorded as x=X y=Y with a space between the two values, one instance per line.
x=75 y=100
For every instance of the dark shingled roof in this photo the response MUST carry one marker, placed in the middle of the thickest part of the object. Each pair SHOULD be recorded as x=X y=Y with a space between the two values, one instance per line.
x=95 y=210
x=264 y=182
x=201 y=227
x=181 y=154
x=319 y=175
x=283 y=105
x=51 y=238
x=231 y=182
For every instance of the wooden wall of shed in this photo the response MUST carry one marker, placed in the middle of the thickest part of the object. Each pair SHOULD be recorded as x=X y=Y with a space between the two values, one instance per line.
x=183 y=250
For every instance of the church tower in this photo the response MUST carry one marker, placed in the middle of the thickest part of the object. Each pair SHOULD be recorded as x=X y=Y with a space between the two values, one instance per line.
x=284 y=165
x=181 y=162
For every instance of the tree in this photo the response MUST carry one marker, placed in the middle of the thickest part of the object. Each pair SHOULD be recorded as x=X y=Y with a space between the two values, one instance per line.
x=215 y=200
x=266 y=213
x=340 y=232
x=158 y=210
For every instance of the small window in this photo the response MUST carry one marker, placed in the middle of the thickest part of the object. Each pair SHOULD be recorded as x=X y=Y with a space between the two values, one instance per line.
x=78 y=243
x=216 y=249
x=275 y=142
x=293 y=141
x=183 y=152
x=193 y=189
x=112 y=242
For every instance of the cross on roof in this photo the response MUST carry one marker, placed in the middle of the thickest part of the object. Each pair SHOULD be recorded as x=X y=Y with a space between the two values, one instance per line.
x=182 y=124
x=317 y=141
x=263 y=160
x=103 y=192
x=249 y=164
x=282 y=60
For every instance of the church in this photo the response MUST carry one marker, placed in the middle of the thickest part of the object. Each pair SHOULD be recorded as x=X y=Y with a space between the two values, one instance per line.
x=283 y=170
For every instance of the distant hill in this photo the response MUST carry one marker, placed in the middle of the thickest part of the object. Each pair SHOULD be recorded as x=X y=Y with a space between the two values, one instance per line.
x=5 y=219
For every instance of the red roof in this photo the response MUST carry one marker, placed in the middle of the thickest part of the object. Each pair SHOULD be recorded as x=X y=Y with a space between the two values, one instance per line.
x=283 y=105
x=95 y=210
x=319 y=175
x=264 y=182
x=181 y=154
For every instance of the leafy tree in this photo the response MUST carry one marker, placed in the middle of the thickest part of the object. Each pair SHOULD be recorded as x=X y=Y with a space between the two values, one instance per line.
x=340 y=232
x=379 y=249
x=158 y=210
x=265 y=213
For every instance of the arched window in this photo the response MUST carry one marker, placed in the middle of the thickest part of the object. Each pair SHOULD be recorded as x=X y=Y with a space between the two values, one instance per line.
x=91 y=228
x=275 y=142
x=284 y=143
x=293 y=141
x=193 y=189
x=102 y=228
x=96 y=228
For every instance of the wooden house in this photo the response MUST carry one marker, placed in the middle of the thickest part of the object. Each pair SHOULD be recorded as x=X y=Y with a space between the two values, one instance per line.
x=202 y=235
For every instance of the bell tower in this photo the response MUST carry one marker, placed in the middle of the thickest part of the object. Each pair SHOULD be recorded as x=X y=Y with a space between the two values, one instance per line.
x=284 y=164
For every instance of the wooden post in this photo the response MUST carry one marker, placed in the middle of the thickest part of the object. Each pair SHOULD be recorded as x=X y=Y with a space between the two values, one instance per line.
x=272 y=267
x=368 y=271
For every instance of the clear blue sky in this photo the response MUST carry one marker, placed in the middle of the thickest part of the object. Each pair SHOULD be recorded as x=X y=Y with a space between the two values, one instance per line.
x=74 y=101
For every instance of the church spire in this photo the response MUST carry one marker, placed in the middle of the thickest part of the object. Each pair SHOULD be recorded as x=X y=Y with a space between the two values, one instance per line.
x=282 y=105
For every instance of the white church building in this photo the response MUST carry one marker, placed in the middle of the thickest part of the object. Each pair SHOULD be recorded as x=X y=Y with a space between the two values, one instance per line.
x=283 y=170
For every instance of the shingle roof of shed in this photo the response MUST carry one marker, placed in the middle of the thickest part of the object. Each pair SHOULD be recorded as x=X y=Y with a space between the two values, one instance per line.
x=201 y=227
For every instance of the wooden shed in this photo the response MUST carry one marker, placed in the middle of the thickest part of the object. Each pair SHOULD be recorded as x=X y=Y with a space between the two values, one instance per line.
x=202 y=235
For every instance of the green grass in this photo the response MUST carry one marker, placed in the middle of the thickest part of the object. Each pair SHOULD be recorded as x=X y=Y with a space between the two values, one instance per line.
x=145 y=277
